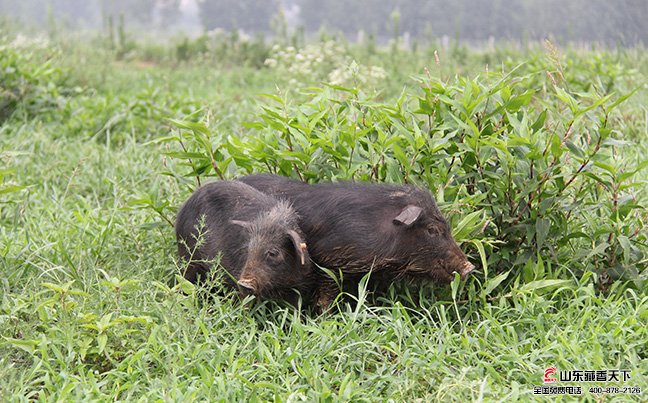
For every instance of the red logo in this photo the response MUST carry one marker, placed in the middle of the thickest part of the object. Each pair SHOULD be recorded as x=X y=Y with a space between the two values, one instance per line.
x=547 y=375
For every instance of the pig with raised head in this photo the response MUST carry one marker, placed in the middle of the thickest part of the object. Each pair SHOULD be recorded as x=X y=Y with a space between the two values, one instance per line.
x=391 y=230
x=257 y=237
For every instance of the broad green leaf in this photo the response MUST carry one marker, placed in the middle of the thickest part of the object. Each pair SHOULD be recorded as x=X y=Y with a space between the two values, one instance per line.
x=595 y=104
x=491 y=284
x=454 y=285
x=102 y=340
x=482 y=255
x=11 y=189
x=542 y=229
x=568 y=99
x=539 y=123
x=467 y=225
x=514 y=104
x=26 y=345
x=193 y=126
x=544 y=284
x=162 y=140
x=623 y=98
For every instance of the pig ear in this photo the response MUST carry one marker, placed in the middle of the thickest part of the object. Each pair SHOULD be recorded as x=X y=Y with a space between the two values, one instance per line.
x=300 y=248
x=408 y=215
x=244 y=224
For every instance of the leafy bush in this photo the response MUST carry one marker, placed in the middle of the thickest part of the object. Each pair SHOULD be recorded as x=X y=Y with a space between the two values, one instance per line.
x=114 y=118
x=222 y=48
x=534 y=184
x=29 y=82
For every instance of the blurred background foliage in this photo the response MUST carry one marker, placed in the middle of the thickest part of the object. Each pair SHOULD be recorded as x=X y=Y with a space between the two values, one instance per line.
x=621 y=21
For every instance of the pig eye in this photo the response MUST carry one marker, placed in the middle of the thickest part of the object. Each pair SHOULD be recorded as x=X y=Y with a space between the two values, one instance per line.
x=433 y=231
x=272 y=253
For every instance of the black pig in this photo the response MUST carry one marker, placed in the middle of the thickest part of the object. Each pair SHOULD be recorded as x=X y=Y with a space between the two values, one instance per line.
x=390 y=230
x=260 y=243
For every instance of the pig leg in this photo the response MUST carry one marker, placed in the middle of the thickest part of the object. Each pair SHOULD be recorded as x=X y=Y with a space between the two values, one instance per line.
x=326 y=294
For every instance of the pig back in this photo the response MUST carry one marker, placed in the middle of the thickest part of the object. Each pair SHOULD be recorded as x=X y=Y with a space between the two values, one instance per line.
x=349 y=224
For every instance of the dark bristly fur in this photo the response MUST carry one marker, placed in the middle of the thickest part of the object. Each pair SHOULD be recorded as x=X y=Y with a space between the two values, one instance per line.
x=357 y=227
x=258 y=237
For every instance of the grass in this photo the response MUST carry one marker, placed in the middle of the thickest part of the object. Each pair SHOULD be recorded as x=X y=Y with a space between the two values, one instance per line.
x=90 y=310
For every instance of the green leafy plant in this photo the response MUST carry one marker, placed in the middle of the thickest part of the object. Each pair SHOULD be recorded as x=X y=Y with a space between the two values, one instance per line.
x=29 y=83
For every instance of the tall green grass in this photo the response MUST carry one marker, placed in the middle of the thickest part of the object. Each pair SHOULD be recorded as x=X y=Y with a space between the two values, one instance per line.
x=90 y=305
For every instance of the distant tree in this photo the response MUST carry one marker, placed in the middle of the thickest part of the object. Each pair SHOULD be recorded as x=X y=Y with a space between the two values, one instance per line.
x=249 y=15
x=77 y=13
x=617 y=21
x=140 y=11
x=167 y=12
x=580 y=20
x=89 y=13
x=74 y=13
x=371 y=16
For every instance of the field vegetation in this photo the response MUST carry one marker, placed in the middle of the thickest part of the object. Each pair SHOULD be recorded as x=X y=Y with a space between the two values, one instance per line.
x=536 y=155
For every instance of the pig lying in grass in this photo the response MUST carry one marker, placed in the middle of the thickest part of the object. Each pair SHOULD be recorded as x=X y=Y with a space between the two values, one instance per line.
x=257 y=237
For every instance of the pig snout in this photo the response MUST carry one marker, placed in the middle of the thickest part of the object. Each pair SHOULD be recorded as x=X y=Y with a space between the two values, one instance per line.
x=456 y=261
x=247 y=286
x=465 y=269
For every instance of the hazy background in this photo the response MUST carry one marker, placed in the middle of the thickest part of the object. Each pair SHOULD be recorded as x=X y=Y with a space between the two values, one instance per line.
x=611 y=22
